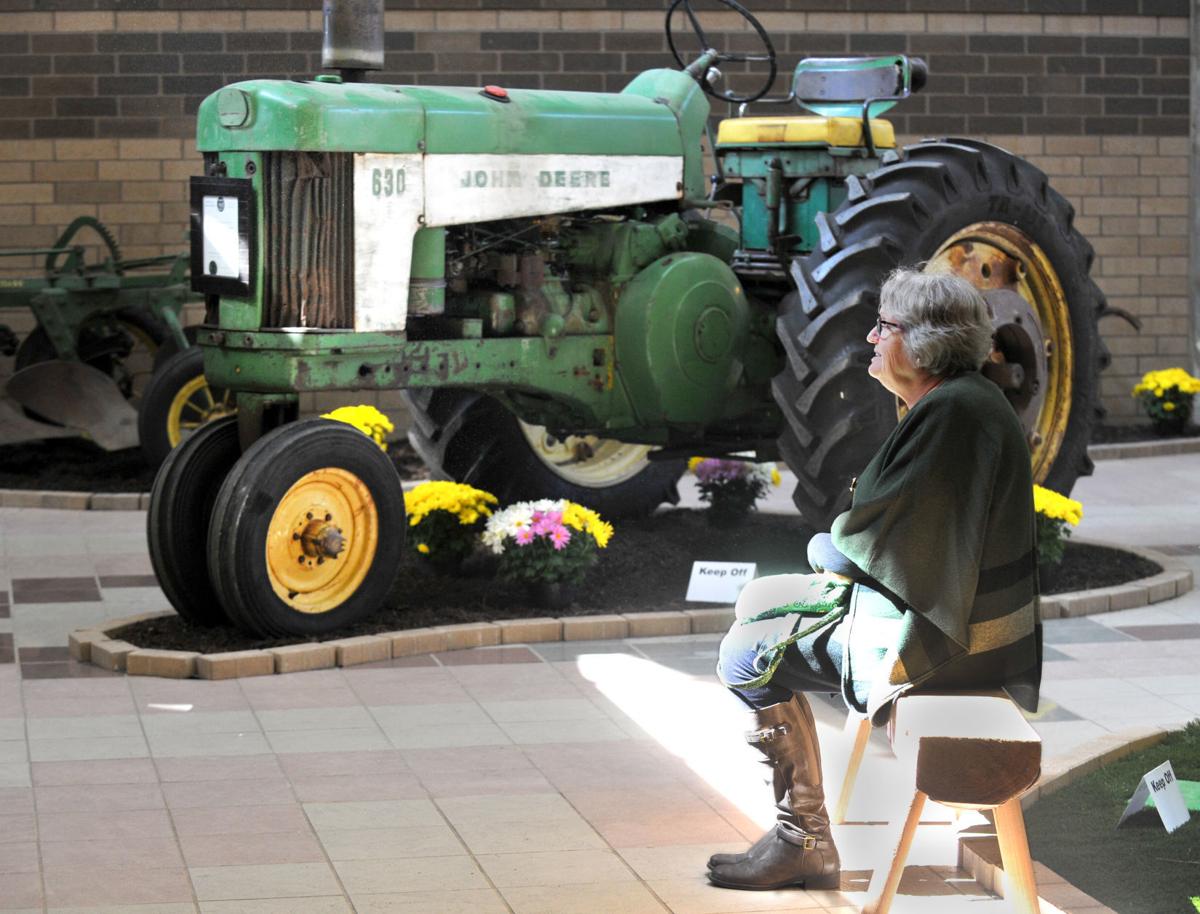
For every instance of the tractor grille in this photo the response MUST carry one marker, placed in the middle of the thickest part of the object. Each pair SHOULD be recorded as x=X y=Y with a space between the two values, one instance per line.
x=308 y=248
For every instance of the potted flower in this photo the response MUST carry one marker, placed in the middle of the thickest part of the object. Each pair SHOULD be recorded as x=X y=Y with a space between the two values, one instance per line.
x=1166 y=396
x=446 y=519
x=548 y=545
x=1056 y=514
x=367 y=419
x=731 y=487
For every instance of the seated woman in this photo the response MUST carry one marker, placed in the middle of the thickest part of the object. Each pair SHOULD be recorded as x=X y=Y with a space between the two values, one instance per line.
x=929 y=579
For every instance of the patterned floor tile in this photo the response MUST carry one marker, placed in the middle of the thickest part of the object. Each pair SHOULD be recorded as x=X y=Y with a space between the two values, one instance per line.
x=1161 y=632
x=55 y=590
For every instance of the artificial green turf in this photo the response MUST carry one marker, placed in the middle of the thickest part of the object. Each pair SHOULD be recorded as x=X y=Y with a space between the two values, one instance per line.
x=1189 y=790
x=1139 y=868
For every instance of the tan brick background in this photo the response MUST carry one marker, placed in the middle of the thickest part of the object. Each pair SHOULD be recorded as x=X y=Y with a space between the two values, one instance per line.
x=97 y=107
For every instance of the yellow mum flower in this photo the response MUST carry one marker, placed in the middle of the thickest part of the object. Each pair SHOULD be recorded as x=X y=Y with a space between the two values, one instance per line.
x=776 y=479
x=694 y=462
x=423 y=549
x=455 y=498
x=1056 y=506
x=586 y=520
x=367 y=419
x=1169 y=406
x=1159 y=382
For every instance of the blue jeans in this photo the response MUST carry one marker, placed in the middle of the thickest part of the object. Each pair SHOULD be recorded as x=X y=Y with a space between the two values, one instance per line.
x=812 y=664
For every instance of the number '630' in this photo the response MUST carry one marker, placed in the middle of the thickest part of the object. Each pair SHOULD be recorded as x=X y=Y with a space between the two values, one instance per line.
x=387 y=182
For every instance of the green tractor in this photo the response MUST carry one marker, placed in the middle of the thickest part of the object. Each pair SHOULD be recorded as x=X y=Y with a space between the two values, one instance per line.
x=553 y=279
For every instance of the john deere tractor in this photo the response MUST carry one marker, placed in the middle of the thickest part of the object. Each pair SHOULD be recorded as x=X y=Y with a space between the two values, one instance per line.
x=554 y=279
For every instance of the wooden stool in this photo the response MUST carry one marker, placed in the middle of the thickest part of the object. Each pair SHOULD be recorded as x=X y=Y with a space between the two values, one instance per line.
x=966 y=750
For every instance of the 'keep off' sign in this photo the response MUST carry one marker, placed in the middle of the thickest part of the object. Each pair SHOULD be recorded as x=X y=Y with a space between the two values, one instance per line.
x=718 y=582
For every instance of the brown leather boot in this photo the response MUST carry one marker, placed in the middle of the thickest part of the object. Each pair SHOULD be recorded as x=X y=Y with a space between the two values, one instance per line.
x=799 y=850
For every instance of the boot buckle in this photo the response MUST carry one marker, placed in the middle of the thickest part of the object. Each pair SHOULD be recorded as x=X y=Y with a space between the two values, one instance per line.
x=810 y=843
x=768 y=734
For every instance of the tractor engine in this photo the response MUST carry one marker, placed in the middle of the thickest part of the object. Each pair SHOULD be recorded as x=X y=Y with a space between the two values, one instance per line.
x=679 y=317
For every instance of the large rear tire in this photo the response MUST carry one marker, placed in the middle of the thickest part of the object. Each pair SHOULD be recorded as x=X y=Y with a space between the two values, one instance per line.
x=975 y=210
x=307 y=532
x=471 y=438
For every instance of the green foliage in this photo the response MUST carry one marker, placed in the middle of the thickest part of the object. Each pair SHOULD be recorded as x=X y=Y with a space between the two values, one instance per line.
x=540 y=561
x=444 y=540
x=1052 y=536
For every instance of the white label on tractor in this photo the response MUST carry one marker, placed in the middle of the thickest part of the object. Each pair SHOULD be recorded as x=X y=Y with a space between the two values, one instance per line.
x=389 y=197
x=221 y=237
x=475 y=188
x=392 y=192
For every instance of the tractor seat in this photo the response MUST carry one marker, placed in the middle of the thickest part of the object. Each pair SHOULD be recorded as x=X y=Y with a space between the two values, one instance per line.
x=804 y=130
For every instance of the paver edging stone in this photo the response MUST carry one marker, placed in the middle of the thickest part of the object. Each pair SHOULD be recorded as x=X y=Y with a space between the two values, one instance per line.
x=1175 y=580
x=979 y=853
x=1130 y=449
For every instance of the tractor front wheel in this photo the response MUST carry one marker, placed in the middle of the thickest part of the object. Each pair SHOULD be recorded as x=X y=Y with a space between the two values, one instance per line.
x=472 y=438
x=181 y=504
x=958 y=206
x=307 y=532
x=177 y=401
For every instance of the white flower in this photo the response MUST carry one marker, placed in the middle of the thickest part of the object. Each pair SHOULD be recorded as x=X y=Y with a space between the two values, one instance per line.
x=503 y=525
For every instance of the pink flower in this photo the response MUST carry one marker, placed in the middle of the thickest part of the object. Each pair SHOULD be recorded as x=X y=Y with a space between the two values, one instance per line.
x=560 y=536
x=524 y=536
x=545 y=521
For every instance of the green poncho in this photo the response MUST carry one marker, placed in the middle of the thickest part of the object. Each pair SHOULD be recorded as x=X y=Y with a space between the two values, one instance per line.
x=943 y=518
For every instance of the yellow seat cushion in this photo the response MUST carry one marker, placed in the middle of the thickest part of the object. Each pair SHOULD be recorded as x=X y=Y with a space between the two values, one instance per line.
x=808 y=130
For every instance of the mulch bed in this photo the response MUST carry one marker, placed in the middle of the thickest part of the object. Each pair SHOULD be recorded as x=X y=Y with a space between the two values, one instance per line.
x=645 y=568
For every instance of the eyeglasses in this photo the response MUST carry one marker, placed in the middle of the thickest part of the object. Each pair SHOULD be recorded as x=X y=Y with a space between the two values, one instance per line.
x=881 y=325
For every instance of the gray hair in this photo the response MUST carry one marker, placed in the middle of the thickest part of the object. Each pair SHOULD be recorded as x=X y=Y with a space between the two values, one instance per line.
x=947 y=328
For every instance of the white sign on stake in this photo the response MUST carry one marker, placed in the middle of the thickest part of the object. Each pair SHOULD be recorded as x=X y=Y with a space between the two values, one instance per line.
x=1159 y=783
x=718 y=582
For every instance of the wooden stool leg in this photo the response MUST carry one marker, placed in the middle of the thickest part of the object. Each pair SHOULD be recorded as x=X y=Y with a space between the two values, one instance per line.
x=862 y=734
x=885 y=883
x=1014 y=854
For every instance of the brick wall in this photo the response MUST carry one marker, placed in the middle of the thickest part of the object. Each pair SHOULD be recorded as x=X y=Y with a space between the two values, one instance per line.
x=97 y=106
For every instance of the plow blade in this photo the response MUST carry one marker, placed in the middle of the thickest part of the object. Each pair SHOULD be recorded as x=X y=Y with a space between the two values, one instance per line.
x=79 y=397
x=16 y=427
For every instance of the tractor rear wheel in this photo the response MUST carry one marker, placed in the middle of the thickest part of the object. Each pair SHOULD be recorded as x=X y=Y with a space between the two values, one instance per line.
x=960 y=206
x=307 y=532
x=181 y=504
x=471 y=438
x=177 y=401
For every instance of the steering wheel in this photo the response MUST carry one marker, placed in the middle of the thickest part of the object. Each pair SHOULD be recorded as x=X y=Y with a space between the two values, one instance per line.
x=705 y=45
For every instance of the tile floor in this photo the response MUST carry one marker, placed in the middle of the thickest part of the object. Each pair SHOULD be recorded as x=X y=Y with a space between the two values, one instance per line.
x=556 y=778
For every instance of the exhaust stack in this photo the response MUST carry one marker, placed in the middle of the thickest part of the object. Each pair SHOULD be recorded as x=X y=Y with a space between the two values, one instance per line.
x=353 y=37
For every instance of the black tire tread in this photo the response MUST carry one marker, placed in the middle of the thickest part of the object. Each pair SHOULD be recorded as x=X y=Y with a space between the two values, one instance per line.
x=835 y=415
x=168 y=379
x=181 y=504
x=274 y=462
x=472 y=438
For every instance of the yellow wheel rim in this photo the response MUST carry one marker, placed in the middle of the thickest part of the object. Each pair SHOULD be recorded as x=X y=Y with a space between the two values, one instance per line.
x=586 y=460
x=321 y=540
x=998 y=258
x=192 y=406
